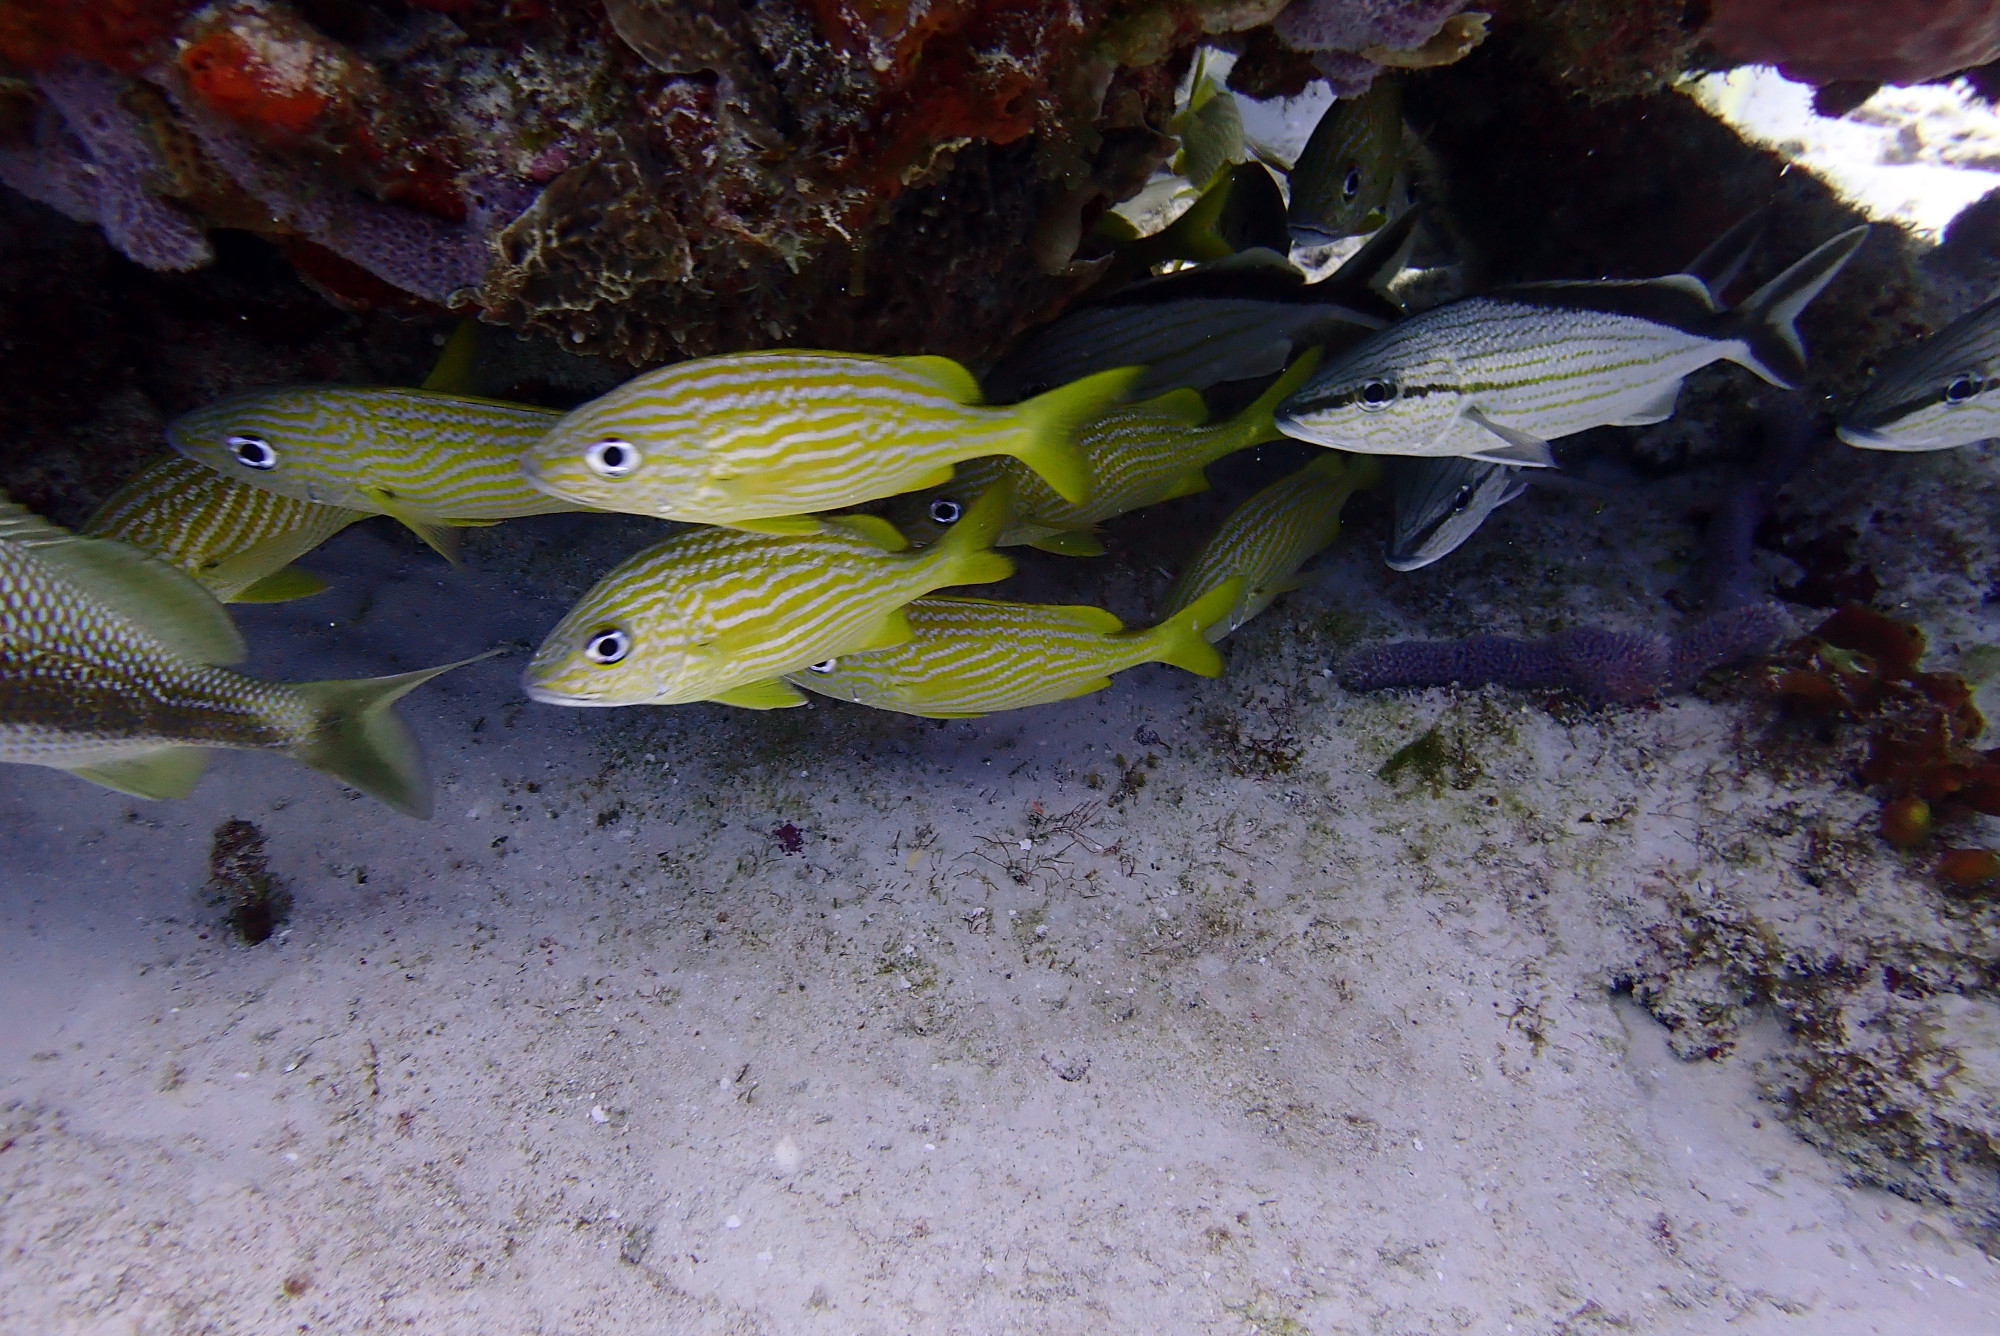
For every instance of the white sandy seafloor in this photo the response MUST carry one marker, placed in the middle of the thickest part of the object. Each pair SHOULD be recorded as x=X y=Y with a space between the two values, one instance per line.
x=1159 y=1011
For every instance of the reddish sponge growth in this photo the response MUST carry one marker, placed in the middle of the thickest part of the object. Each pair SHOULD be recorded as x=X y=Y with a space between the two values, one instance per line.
x=124 y=34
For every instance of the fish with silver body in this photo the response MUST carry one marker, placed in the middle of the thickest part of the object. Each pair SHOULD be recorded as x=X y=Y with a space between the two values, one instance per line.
x=1345 y=177
x=724 y=614
x=972 y=656
x=1234 y=319
x=111 y=669
x=1939 y=392
x=433 y=461
x=1496 y=377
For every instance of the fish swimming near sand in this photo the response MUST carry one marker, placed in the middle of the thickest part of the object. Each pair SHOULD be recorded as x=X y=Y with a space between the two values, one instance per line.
x=1496 y=377
x=724 y=614
x=1939 y=392
x=239 y=541
x=433 y=461
x=758 y=440
x=110 y=669
x=973 y=656
x=1345 y=177
x=1267 y=538
x=1140 y=455
x=1441 y=502
x=1236 y=319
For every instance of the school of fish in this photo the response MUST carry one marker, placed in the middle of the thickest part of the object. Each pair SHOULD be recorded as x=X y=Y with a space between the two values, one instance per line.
x=115 y=644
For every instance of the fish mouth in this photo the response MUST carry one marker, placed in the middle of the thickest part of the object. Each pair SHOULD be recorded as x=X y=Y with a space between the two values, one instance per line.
x=1400 y=561
x=1865 y=438
x=548 y=695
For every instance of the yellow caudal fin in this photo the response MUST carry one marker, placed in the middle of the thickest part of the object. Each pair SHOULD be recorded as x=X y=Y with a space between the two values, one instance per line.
x=1258 y=423
x=1181 y=638
x=359 y=740
x=1045 y=438
x=966 y=551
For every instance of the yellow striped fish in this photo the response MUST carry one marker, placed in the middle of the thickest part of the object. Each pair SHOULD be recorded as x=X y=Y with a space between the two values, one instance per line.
x=237 y=540
x=1140 y=455
x=108 y=669
x=973 y=656
x=1267 y=538
x=723 y=614
x=432 y=461
x=758 y=440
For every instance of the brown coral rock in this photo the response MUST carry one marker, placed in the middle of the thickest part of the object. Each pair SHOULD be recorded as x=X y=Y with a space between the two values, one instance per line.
x=1857 y=39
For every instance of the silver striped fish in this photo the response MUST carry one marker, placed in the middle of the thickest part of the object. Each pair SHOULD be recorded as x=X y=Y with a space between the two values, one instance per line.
x=757 y=440
x=1939 y=392
x=432 y=461
x=1441 y=502
x=723 y=614
x=1267 y=538
x=973 y=656
x=1140 y=455
x=237 y=540
x=110 y=669
x=1495 y=377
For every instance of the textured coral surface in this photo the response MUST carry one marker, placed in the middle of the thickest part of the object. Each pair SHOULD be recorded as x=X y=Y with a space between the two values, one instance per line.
x=1892 y=41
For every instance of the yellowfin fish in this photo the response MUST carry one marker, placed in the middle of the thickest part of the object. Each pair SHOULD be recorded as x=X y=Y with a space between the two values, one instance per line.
x=1267 y=538
x=723 y=614
x=973 y=656
x=109 y=670
x=237 y=540
x=758 y=440
x=432 y=461
x=1344 y=177
x=1140 y=455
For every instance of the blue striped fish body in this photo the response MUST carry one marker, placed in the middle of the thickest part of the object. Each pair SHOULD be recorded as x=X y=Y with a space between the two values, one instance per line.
x=110 y=669
x=972 y=656
x=1496 y=377
x=1267 y=538
x=429 y=460
x=237 y=540
x=724 y=614
x=759 y=439
x=1440 y=502
x=1939 y=392
x=1139 y=455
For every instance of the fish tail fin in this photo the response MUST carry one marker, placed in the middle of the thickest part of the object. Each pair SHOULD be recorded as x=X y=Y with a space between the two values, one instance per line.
x=1259 y=422
x=359 y=740
x=1046 y=427
x=1181 y=638
x=966 y=551
x=1764 y=321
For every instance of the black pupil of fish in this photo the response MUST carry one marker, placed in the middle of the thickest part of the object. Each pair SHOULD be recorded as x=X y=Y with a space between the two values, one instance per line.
x=1960 y=390
x=1462 y=500
x=1352 y=185
x=253 y=453
x=944 y=512
x=606 y=646
x=1377 y=392
x=614 y=455
x=824 y=666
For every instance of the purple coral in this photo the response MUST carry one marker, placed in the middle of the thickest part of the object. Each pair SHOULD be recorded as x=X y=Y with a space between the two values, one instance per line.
x=91 y=159
x=1604 y=667
x=1340 y=30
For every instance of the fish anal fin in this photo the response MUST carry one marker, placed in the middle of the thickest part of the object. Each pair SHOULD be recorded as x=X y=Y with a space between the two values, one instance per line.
x=438 y=535
x=776 y=694
x=894 y=629
x=168 y=773
x=1520 y=448
x=281 y=586
x=1188 y=484
x=1657 y=409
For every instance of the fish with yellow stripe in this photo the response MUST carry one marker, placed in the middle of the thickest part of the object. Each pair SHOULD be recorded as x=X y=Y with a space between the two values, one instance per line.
x=758 y=440
x=239 y=541
x=973 y=656
x=723 y=614
x=1140 y=455
x=432 y=461
x=111 y=669
x=1267 y=538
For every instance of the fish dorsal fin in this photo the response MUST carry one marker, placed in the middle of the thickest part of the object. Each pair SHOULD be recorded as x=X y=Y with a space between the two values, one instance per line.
x=873 y=529
x=1069 y=543
x=1089 y=618
x=168 y=773
x=1520 y=447
x=156 y=598
x=1691 y=285
x=947 y=375
x=775 y=694
x=1257 y=259
x=1185 y=407
x=456 y=364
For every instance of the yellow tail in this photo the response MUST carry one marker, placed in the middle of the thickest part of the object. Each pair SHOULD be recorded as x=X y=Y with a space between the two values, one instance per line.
x=1047 y=425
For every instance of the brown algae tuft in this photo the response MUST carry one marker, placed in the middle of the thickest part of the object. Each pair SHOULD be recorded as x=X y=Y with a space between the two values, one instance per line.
x=240 y=874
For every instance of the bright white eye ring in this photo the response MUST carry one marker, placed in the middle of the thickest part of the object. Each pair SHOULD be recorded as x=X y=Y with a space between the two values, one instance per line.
x=253 y=452
x=823 y=667
x=607 y=646
x=612 y=458
x=944 y=510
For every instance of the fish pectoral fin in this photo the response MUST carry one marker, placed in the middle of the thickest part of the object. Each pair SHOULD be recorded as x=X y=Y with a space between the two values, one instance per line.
x=1657 y=409
x=168 y=773
x=781 y=525
x=1069 y=543
x=1521 y=448
x=158 y=599
x=281 y=586
x=776 y=694
x=437 y=534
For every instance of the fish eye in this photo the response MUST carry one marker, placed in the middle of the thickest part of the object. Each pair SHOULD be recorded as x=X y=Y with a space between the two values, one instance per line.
x=1378 y=394
x=607 y=646
x=1960 y=389
x=612 y=458
x=1352 y=185
x=1462 y=500
x=823 y=667
x=253 y=452
x=944 y=510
